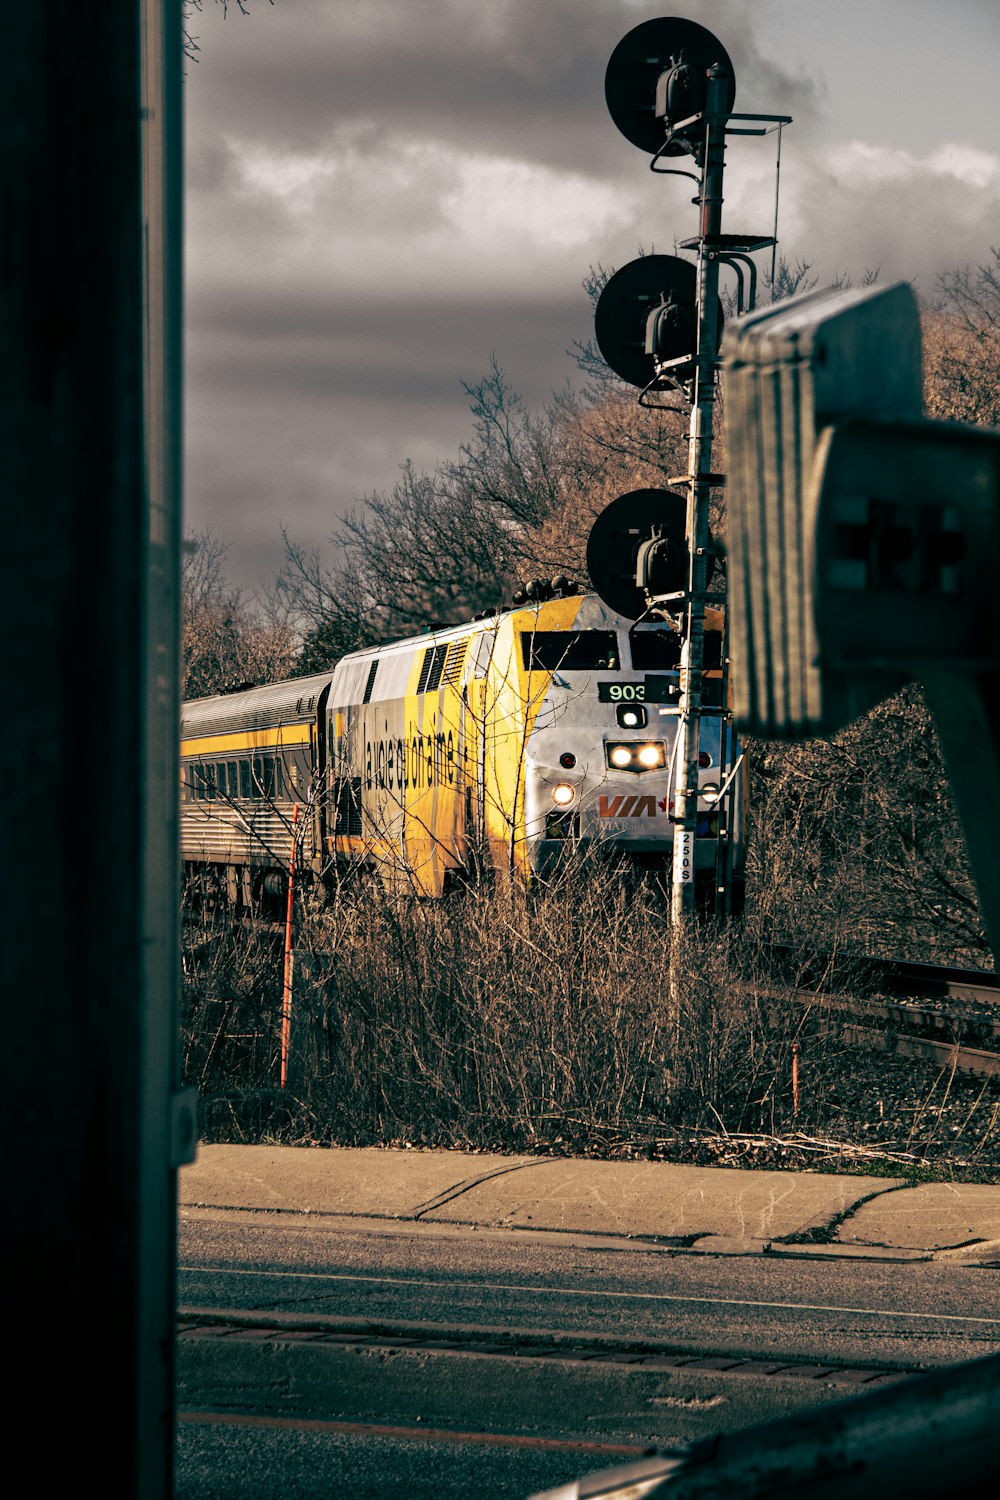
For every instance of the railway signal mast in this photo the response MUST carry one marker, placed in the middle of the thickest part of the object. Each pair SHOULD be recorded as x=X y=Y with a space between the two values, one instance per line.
x=670 y=89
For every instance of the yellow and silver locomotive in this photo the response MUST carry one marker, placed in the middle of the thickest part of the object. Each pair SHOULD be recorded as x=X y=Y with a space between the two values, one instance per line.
x=549 y=726
x=506 y=741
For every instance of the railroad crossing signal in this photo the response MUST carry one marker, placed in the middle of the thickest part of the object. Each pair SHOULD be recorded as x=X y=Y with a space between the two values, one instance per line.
x=863 y=542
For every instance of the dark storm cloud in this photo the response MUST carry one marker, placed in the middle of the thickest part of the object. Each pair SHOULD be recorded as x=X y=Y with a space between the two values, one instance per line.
x=434 y=349
x=294 y=417
x=382 y=193
x=295 y=316
x=521 y=77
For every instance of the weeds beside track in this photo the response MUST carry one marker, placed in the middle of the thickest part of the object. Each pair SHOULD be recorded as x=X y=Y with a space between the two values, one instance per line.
x=567 y=1019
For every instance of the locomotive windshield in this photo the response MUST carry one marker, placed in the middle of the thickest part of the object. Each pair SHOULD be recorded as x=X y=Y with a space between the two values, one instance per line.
x=655 y=650
x=570 y=650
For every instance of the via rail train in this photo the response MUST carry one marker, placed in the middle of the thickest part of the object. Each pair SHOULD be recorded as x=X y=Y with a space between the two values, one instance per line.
x=503 y=743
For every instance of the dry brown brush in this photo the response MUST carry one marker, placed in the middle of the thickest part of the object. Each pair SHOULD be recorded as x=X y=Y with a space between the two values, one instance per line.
x=562 y=1019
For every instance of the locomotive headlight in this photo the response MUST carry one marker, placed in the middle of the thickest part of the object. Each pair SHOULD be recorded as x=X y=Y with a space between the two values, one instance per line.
x=630 y=715
x=636 y=755
x=563 y=794
x=709 y=793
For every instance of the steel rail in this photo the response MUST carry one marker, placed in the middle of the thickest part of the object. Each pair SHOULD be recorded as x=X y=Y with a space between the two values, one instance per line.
x=949 y=1054
x=901 y=1038
x=906 y=1014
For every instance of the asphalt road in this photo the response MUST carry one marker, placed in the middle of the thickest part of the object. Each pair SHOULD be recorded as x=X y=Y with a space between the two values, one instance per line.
x=307 y=1360
x=226 y=1462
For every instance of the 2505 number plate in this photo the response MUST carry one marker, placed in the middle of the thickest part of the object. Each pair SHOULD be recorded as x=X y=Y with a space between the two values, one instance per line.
x=649 y=690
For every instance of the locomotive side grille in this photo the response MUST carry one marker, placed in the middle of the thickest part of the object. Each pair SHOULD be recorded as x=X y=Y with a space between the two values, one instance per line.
x=431 y=668
x=347 y=805
x=455 y=662
x=371 y=681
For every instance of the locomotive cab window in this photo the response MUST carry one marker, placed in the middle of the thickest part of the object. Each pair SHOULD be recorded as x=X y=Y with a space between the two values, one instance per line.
x=569 y=650
x=484 y=654
x=655 y=650
x=713 y=651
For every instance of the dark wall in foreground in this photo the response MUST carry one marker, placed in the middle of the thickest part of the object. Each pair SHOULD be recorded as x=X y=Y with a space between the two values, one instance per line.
x=89 y=453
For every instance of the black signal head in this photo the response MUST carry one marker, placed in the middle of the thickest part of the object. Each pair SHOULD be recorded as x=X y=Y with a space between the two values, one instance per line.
x=661 y=288
x=668 y=45
x=615 y=540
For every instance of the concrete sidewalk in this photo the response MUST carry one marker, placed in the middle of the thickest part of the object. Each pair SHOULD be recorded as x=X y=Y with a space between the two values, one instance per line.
x=714 y=1209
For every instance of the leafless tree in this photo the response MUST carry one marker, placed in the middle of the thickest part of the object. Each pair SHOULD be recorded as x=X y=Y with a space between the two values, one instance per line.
x=191 y=47
x=511 y=469
x=427 y=552
x=857 y=839
x=226 y=639
x=962 y=345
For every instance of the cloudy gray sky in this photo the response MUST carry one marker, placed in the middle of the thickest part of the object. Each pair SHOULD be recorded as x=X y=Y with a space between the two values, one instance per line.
x=381 y=194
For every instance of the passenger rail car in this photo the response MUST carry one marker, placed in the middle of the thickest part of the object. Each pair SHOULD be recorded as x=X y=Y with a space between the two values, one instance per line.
x=248 y=760
x=505 y=742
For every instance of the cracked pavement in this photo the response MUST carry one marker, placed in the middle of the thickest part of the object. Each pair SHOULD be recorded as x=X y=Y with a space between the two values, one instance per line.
x=718 y=1210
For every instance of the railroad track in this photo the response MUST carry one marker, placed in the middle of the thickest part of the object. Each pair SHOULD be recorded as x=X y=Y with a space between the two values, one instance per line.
x=947 y=1015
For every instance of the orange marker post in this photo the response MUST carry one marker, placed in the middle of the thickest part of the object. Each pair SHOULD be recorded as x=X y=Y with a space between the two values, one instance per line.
x=795 y=1078
x=286 y=999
